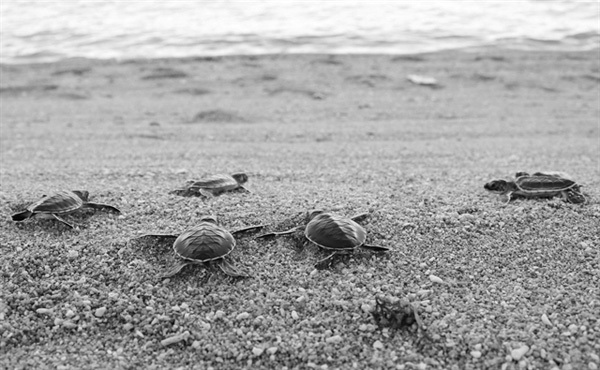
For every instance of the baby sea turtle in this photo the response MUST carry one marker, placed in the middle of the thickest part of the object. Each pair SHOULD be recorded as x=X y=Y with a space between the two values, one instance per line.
x=60 y=203
x=213 y=185
x=202 y=244
x=538 y=185
x=334 y=233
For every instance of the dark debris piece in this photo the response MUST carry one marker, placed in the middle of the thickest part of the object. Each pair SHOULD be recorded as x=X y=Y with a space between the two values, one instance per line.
x=394 y=313
x=467 y=210
x=397 y=313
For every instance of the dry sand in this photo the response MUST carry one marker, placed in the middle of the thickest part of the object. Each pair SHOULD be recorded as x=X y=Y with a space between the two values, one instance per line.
x=343 y=133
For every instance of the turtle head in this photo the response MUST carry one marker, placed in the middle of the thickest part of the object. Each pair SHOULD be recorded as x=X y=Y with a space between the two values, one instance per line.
x=240 y=178
x=313 y=213
x=209 y=218
x=498 y=186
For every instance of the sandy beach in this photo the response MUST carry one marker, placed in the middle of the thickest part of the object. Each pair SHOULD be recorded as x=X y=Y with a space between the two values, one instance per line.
x=520 y=281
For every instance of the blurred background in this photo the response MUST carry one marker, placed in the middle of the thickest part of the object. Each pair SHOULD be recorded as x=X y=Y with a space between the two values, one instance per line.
x=41 y=31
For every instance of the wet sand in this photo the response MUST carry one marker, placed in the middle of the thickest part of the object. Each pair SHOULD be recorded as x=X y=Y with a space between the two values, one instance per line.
x=345 y=133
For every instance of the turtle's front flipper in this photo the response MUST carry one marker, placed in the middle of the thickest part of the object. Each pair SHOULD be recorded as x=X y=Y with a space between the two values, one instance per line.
x=277 y=233
x=179 y=265
x=505 y=197
x=63 y=221
x=102 y=206
x=187 y=192
x=207 y=193
x=326 y=262
x=376 y=248
x=244 y=189
x=228 y=268
x=21 y=216
x=249 y=228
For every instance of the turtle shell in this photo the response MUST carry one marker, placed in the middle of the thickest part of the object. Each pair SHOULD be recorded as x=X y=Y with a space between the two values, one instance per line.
x=543 y=184
x=333 y=232
x=61 y=202
x=220 y=181
x=205 y=242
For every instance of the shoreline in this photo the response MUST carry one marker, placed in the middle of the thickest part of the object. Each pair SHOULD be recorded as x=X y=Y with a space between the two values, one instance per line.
x=464 y=49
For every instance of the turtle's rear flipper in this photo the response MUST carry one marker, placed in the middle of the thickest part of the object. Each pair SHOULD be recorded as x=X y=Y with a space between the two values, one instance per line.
x=175 y=269
x=63 y=221
x=277 y=233
x=376 y=248
x=102 y=206
x=21 y=216
x=83 y=194
x=228 y=268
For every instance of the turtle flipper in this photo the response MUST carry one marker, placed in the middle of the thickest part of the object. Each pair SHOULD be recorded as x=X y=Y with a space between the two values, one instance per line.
x=376 y=248
x=243 y=189
x=102 y=206
x=62 y=220
x=21 y=216
x=506 y=197
x=359 y=217
x=83 y=194
x=187 y=192
x=277 y=233
x=249 y=228
x=207 y=193
x=326 y=262
x=175 y=269
x=229 y=269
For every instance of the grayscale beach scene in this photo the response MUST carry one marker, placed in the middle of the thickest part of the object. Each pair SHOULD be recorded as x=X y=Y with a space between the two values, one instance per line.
x=341 y=184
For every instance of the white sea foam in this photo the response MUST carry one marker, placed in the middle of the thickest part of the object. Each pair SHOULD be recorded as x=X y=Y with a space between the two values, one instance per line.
x=49 y=30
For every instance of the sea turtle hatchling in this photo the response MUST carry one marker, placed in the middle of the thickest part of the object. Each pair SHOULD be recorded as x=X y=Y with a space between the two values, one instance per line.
x=334 y=233
x=60 y=203
x=204 y=243
x=538 y=185
x=213 y=185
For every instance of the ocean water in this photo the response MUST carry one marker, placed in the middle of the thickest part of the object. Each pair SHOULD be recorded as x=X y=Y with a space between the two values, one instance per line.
x=48 y=30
